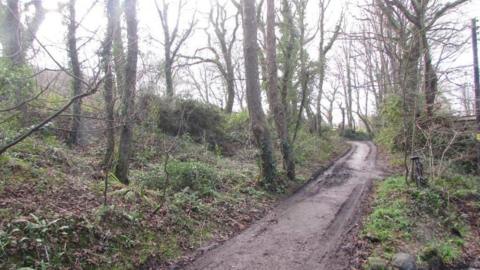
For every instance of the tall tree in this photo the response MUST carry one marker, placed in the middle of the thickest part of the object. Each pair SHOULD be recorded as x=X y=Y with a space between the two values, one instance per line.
x=118 y=51
x=423 y=15
x=172 y=41
x=75 y=136
x=128 y=98
x=288 y=55
x=257 y=117
x=304 y=72
x=476 y=83
x=17 y=37
x=222 y=53
x=274 y=99
x=218 y=18
x=331 y=97
x=108 y=86
x=324 y=46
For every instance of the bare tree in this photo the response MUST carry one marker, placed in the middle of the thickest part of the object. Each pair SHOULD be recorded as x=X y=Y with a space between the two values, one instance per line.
x=303 y=76
x=324 y=47
x=422 y=22
x=345 y=64
x=218 y=18
x=254 y=103
x=288 y=58
x=108 y=85
x=118 y=51
x=16 y=38
x=173 y=41
x=221 y=57
x=128 y=98
x=274 y=100
x=76 y=129
x=331 y=97
x=476 y=83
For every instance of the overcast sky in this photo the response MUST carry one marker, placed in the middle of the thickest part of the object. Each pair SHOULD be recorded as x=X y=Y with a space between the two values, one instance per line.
x=53 y=30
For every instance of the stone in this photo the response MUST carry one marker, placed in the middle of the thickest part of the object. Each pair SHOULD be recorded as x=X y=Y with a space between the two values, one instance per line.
x=375 y=263
x=404 y=261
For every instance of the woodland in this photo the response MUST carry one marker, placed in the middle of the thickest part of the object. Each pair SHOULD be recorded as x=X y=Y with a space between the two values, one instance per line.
x=134 y=134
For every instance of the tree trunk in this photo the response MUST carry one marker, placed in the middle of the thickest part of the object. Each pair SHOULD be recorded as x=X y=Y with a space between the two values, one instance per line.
x=430 y=81
x=230 y=80
x=169 y=74
x=348 y=94
x=108 y=83
x=75 y=137
x=14 y=52
x=275 y=102
x=118 y=51
x=476 y=77
x=321 y=78
x=342 y=127
x=13 y=47
x=128 y=100
x=257 y=116
x=289 y=60
x=16 y=39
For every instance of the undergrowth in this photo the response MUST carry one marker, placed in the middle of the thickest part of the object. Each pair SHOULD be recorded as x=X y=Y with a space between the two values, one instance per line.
x=426 y=222
x=51 y=198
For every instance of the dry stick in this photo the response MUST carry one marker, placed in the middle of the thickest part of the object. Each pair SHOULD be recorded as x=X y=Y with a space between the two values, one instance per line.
x=105 y=188
x=450 y=143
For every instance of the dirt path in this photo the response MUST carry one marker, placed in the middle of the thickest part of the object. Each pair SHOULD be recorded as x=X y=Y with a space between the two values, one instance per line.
x=308 y=230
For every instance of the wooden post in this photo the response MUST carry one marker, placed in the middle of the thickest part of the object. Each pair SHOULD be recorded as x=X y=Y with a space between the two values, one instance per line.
x=477 y=87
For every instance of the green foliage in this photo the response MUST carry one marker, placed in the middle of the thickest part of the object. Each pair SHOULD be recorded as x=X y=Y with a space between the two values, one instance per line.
x=310 y=147
x=460 y=186
x=356 y=135
x=390 y=133
x=389 y=220
x=201 y=121
x=447 y=251
x=39 y=242
x=401 y=214
x=16 y=85
x=13 y=78
x=238 y=126
x=194 y=176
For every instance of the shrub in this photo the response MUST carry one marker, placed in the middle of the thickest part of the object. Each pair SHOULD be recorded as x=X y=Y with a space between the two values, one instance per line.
x=389 y=219
x=310 y=147
x=191 y=175
x=238 y=126
x=201 y=121
x=390 y=134
x=355 y=135
x=447 y=251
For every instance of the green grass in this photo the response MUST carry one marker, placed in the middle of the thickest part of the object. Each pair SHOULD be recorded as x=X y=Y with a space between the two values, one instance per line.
x=403 y=214
x=389 y=220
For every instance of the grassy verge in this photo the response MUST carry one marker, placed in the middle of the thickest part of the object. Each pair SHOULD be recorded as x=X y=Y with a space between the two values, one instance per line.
x=439 y=224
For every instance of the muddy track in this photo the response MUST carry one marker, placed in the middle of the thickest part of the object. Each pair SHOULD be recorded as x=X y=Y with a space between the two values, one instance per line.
x=309 y=229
